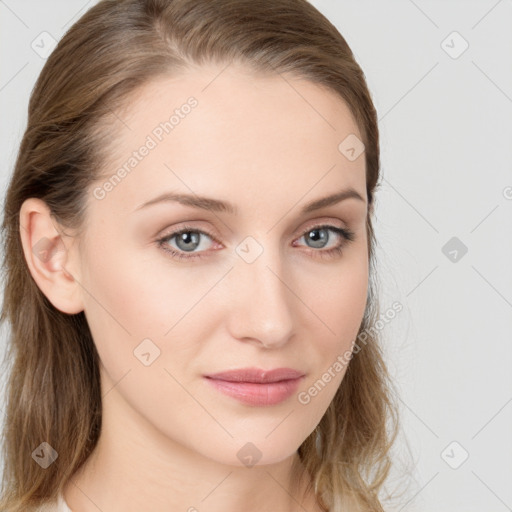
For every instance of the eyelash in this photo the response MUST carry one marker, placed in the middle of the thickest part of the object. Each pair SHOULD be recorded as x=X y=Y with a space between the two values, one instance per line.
x=346 y=234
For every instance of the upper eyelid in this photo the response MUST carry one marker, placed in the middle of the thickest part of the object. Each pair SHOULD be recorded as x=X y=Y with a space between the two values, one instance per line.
x=187 y=226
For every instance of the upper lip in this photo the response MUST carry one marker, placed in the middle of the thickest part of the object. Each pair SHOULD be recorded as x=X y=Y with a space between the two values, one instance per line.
x=257 y=375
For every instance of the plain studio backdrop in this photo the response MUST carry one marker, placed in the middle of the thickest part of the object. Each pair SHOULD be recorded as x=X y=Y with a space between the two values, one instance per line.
x=440 y=75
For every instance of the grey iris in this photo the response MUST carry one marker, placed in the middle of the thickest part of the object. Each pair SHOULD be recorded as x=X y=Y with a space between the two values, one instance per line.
x=321 y=240
x=188 y=237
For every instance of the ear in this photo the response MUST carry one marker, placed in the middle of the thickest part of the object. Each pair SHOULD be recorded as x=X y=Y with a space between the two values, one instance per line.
x=51 y=257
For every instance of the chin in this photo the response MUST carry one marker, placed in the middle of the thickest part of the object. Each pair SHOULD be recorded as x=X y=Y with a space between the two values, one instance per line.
x=252 y=450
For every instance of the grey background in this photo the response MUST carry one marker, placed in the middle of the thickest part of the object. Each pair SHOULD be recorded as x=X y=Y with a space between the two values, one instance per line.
x=446 y=132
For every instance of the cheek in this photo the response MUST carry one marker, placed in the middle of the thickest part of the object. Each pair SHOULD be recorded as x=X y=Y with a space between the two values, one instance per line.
x=144 y=336
x=341 y=301
x=345 y=302
x=340 y=306
x=133 y=298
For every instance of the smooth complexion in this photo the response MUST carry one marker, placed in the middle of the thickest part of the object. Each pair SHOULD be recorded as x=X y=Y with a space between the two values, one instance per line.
x=269 y=146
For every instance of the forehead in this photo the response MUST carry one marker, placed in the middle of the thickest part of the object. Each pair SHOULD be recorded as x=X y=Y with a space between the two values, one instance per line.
x=220 y=131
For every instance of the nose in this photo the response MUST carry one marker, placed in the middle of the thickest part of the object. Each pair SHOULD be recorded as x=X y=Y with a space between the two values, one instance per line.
x=261 y=303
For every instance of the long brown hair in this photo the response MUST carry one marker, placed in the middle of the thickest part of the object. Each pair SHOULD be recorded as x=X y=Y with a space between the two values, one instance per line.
x=53 y=392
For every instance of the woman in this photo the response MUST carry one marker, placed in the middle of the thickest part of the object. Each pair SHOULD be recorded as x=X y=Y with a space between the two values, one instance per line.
x=244 y=371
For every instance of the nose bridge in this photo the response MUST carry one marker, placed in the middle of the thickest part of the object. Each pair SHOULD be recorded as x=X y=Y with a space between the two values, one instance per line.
x=261 y=301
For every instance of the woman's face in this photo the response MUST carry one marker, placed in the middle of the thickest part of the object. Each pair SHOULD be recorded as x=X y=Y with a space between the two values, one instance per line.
x=259 y=284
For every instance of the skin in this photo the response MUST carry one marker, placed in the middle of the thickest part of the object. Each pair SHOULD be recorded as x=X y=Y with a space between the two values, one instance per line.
x=169 y=440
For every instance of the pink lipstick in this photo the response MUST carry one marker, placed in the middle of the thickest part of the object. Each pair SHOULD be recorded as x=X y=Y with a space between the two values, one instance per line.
x=254 y=386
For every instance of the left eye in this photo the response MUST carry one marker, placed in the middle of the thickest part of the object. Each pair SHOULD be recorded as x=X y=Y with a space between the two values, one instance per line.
x=321 y=240
x=188 y=239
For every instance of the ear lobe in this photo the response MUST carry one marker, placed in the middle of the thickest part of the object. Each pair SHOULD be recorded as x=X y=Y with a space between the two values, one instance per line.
x=50 y=261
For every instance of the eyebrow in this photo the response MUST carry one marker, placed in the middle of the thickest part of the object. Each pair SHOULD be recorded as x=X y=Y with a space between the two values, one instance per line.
x=216 y=205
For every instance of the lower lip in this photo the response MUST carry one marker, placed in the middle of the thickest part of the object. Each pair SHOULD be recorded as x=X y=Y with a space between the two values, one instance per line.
x=252 y=393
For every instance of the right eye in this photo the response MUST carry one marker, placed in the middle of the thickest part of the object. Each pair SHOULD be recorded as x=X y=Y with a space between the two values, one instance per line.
x=187 y=240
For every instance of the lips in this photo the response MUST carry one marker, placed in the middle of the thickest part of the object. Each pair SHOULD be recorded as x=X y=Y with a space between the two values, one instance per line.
x=256 y=387
x=257 y=375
